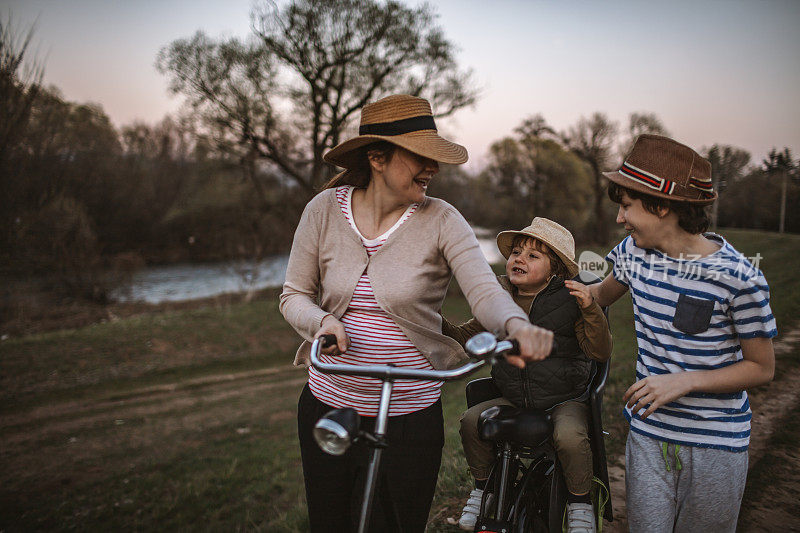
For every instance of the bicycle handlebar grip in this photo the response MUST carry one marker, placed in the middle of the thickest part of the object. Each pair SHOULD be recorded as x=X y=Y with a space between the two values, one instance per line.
x=514 y=347
x=514 y=350
x=328 y=339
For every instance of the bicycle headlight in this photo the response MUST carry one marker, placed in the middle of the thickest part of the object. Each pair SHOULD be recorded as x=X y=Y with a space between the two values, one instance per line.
x=335 y=431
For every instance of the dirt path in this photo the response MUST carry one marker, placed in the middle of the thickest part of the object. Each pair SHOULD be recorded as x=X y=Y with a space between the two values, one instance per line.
x=147 y=401
x=770 y=406
x=147 y=418
x=164 y=393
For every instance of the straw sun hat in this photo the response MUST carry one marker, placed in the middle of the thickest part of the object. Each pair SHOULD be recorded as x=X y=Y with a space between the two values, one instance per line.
x=554 y=235
x=404 y=120
x=659 y=166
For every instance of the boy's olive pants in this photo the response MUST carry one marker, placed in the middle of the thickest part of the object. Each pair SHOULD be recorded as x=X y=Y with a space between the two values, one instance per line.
x=570 y=435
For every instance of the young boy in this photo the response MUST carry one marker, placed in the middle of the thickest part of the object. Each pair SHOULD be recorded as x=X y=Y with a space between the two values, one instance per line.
x=704 y=328
x=539 y=258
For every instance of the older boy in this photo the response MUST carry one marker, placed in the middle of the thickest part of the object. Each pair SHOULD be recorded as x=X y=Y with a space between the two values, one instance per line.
x=704 y=328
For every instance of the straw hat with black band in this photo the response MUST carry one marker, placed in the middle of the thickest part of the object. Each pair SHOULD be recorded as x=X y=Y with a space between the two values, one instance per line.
x=554 y=235
x=400 y=119
x=662 y=167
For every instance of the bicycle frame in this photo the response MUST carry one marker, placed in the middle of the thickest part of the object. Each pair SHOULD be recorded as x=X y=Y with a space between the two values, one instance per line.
x=518 y=486
x=388 y=374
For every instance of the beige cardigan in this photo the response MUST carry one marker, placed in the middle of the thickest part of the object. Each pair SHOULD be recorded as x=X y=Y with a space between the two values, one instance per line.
x=410 y=274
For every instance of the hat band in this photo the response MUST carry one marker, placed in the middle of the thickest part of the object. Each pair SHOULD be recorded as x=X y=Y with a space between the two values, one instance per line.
x=645 y=178
x=704 y=185
x=398 y=127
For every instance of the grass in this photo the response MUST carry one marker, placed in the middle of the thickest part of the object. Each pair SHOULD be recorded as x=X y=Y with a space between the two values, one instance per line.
x=141 y=350
x=128 y=424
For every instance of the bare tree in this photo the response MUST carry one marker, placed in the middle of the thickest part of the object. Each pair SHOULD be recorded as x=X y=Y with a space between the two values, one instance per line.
x=533 y=134
x=592 y=140
x=289 y=93
x=638 y=124
x=728 y=164
x=20 y=79
x=535 y=127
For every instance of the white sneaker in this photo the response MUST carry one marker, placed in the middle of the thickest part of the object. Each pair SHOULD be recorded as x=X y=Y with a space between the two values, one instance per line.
x=469 y=515
x=580 y=518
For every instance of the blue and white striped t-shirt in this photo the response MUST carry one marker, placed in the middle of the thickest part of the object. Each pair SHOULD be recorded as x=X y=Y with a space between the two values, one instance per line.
x=740 y=310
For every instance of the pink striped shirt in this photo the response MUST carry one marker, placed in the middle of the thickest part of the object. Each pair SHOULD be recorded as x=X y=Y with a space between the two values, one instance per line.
x=375 y=339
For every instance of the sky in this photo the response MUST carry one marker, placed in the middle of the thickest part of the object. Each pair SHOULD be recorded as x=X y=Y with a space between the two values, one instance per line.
x=721 y=71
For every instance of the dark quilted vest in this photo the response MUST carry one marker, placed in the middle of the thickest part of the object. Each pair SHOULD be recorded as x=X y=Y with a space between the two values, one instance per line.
x=562 y=376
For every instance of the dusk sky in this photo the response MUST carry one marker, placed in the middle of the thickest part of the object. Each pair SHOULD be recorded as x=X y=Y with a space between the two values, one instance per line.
x=714 y=71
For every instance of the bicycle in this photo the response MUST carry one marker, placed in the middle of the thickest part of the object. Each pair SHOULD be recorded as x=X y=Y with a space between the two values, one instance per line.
x=339 y=428
x=536 y=489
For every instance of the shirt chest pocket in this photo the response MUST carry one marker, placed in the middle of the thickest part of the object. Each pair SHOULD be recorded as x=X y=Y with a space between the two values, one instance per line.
x=692 y=315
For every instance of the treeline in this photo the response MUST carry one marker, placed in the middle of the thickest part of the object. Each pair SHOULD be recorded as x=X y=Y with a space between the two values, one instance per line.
x=539 y=171
x=87 y=203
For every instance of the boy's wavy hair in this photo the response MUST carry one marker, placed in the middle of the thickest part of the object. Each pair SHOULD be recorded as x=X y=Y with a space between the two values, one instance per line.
x=557 y=266
x=691 y=218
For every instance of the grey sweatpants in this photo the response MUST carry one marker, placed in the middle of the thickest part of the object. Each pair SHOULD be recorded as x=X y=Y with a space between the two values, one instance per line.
x=704 y=494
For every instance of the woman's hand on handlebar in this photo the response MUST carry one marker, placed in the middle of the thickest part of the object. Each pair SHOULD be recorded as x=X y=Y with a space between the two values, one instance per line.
x=332 y=326
x=535 y=343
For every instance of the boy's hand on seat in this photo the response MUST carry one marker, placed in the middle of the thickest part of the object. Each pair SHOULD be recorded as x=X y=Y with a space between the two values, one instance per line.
x=655 y=391
x=580 y=292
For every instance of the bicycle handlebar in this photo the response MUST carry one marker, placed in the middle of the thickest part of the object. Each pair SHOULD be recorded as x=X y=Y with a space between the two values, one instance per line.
x=389 y=372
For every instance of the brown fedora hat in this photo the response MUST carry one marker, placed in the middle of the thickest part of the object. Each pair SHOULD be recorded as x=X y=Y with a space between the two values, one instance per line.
x=553 y=234
x=662 y=167
x=400 y=119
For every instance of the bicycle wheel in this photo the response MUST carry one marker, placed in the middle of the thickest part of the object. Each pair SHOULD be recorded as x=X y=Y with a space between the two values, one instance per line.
x=530 y=519
x=557 y=499
x=534 y=504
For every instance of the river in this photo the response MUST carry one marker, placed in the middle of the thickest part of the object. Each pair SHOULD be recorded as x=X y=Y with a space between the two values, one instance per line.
x=191 y=281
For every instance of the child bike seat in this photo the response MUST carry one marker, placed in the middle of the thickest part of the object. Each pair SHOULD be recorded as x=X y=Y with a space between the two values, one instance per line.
x=506 y=423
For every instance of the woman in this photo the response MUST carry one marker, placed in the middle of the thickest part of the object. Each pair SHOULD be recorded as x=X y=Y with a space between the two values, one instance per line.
x=371 y=261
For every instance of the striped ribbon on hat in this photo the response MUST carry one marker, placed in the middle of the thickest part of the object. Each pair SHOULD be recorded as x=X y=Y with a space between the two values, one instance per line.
x=645 y=178
x=703 y=185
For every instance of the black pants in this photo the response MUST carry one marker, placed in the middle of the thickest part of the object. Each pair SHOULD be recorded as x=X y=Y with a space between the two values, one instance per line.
x=406 y=481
